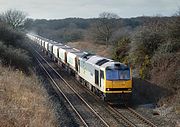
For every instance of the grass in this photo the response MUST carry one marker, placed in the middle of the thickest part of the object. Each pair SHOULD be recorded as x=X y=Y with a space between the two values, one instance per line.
x=24 y=102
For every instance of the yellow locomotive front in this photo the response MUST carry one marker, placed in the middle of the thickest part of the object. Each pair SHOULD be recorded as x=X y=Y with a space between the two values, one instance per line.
x=118 y=82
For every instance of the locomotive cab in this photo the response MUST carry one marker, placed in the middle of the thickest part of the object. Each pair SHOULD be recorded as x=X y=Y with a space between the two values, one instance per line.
x=118 y=82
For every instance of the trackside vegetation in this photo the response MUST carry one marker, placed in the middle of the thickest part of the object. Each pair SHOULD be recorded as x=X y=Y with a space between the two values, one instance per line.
x=24 y=100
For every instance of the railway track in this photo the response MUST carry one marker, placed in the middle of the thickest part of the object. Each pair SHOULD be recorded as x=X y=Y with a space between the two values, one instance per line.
x=128 y=116
x=131 y=116
x=126 y=113
x=149 y=123
x=136 y=120
x=83 y=110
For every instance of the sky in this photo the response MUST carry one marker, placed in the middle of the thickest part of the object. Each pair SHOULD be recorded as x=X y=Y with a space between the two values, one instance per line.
x=59 y=9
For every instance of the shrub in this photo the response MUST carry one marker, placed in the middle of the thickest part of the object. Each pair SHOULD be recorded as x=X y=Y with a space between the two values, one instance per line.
x=148 y=40
x=10 y=36
x=17 y=58
x=120 y=51
x=165 y=70
x=145 y=68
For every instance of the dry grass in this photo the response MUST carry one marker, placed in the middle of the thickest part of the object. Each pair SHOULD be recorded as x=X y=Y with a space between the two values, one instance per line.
x=98 y=49
x=23 y=101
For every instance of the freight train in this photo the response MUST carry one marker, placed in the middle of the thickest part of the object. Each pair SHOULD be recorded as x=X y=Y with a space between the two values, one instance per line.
x=107 y=78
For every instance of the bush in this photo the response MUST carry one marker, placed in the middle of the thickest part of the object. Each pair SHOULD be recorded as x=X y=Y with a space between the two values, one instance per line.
x=165 y=70
x=13 y=49
x=148 y=40
x=174 y=28
x=17 y=58
x=121 y=50
x=10 y=36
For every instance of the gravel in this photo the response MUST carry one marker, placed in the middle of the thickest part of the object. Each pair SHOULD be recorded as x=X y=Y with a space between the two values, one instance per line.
x=145 y=99
x=66 y=117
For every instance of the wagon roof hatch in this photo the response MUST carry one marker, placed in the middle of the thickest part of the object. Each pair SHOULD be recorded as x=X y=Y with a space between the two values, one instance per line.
x=87 y=56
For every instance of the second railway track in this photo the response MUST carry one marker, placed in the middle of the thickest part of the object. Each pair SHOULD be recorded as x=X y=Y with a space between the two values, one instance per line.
x=132 y=119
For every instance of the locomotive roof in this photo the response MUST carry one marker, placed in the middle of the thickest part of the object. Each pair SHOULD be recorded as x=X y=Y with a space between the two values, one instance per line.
x=113 y=64
x=104 y=62
x=98 y=60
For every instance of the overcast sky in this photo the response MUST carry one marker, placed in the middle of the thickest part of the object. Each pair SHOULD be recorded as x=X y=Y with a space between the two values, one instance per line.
x=58 y=9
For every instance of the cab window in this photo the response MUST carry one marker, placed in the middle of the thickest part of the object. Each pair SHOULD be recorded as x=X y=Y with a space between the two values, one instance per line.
x=117 y=74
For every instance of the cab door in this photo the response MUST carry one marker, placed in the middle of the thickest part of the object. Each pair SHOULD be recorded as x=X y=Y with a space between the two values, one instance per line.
x=97 y=77
x=101 y=78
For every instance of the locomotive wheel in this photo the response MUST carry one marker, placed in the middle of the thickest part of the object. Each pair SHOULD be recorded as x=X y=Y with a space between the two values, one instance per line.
x=103 y=97
x=77 y=77
x=69 y=70
x=90 y=86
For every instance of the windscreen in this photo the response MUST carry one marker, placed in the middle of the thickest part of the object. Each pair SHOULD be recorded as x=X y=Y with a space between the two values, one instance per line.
x=118 y=74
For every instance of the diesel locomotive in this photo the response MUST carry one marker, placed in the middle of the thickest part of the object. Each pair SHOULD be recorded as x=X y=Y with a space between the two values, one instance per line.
x=107 y=78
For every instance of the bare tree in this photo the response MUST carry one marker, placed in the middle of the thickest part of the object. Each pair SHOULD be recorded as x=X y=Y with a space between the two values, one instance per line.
x=177 y=12
x=105 y=26
x=108 y=15
x=14 y=18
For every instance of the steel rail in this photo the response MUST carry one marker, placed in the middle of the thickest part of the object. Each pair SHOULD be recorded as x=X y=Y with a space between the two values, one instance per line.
x=121 y=115
x=141 y=117
x=81 y=118
x=147 y=122
x=73 y=90
x=126 y=120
